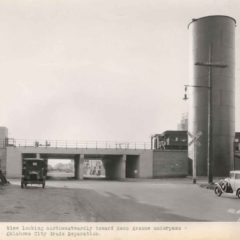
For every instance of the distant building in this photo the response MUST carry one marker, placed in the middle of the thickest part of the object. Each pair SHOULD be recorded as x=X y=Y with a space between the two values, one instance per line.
x=176 y=139
x=170 y=140
x=183 y=125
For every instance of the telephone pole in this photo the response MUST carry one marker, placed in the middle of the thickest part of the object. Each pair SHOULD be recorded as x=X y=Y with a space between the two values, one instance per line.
x=210 y=65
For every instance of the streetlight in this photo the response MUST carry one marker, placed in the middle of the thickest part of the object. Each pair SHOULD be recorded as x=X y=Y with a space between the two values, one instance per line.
x=210 y=65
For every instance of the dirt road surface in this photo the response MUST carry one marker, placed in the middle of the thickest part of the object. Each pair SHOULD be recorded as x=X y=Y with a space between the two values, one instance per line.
x=111 y=201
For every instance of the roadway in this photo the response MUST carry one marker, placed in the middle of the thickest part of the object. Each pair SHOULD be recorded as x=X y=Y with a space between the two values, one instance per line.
x=154 y=200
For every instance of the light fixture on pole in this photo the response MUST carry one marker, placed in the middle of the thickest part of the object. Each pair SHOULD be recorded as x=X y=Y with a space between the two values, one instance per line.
x=185 y=94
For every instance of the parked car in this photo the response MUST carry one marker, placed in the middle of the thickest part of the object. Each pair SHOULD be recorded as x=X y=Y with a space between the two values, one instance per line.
x=229 y=185
x=34 y=171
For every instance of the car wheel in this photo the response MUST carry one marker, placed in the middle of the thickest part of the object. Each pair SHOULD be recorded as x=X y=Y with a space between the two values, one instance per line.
x=218 y=191
x=238 y=193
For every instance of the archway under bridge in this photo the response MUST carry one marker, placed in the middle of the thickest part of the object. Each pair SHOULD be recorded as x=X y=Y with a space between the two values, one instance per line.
x=113 y=167
x=60 y=168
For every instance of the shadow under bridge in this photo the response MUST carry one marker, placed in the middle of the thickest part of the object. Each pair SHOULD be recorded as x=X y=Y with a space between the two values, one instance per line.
x=113 y=166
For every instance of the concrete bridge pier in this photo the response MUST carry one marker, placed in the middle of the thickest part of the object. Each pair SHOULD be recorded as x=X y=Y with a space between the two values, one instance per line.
x=122 y=167
x=79 y=166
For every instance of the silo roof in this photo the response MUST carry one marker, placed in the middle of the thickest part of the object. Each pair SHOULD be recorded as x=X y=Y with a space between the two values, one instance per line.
x=211 y=16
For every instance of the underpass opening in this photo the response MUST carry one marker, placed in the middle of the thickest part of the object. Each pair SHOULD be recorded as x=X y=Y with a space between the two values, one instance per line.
x=132 y=166
x=60 y=169
x=115 y=166
x=93 y=168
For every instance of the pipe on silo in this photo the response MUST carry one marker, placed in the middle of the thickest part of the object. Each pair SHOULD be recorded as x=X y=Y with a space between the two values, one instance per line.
x=217 y=32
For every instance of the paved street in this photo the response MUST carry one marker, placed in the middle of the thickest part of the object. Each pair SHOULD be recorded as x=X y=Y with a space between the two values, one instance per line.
x=128 y=201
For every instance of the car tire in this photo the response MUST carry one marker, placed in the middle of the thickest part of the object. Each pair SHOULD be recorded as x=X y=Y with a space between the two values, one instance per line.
x=238 y=193
x=218 y=191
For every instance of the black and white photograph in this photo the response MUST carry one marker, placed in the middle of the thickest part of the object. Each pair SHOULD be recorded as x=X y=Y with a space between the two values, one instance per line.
x=119 y=118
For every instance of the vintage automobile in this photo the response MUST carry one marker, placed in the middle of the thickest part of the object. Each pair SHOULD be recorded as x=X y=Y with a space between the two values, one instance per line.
x=229 y=185
x=34 y=171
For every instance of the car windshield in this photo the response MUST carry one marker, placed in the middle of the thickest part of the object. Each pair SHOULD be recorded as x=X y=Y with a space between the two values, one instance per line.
x=237 y=176
x=231 y=175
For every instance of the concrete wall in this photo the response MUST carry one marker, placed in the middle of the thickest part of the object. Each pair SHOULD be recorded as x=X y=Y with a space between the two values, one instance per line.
x=3 y=151
x=170 y=163
x=146 y=164
x=14 y=163
x=3 y=160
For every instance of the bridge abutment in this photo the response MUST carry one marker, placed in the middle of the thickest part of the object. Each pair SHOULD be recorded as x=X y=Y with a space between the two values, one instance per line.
x=3 y=151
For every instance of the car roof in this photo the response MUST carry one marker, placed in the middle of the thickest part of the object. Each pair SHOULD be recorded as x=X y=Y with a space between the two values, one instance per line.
x=33 y=159
x=235 y=171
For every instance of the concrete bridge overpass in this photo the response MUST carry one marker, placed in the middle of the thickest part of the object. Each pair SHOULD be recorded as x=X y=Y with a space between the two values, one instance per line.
x=120 y=160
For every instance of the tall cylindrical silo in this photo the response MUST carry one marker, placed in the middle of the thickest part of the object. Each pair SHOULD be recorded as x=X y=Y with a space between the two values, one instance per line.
x=212 y=61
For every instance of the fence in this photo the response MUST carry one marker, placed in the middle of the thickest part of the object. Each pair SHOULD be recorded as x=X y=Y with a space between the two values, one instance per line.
x=74 y=144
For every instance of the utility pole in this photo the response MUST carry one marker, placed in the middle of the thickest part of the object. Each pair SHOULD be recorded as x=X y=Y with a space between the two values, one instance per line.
x=195 y=142
x=210 y=65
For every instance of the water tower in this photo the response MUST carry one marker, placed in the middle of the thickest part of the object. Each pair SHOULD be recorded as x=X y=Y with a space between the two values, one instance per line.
x=212 y=93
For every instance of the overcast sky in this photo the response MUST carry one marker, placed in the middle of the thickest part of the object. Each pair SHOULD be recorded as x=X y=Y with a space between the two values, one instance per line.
x=98 y=69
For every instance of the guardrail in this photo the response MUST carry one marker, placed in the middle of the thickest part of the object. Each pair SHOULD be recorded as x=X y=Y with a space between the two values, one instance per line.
x=75 y=144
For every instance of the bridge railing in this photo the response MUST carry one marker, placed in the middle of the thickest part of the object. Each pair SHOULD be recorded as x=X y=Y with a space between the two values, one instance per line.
x=77 y=144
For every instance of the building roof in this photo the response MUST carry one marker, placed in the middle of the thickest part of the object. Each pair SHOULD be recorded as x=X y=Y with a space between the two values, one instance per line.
x=211 y=16
x=176 y=132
